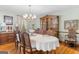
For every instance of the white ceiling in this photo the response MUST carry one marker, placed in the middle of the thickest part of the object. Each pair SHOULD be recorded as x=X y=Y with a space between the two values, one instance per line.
x=36 y=9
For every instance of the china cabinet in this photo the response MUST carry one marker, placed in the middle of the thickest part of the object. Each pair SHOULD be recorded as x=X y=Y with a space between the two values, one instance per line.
x=50 y=23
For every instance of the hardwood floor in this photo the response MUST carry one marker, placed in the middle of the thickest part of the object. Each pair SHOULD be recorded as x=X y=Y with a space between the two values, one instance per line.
x=10 y=48
x=63 y=49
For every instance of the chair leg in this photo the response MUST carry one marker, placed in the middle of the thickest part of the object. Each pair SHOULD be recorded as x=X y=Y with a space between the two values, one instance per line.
x=23 y=50
x=16 y=46
x=20 y=49
x=75 y=45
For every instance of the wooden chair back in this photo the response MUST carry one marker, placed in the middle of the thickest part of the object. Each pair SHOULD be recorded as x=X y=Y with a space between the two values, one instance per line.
x=72 y=34
x=26 y=42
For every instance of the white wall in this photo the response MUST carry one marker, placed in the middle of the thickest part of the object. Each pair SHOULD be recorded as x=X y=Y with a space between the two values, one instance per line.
x=8 y=14
x=69 y=14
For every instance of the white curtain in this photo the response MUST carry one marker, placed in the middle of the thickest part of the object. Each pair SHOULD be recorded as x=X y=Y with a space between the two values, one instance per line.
x=21 y=23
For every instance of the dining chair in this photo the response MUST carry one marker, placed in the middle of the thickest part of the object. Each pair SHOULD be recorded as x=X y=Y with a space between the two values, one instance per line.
x=17 y=39
x=37 y=30
x=26 y=47
x=42 y=31
x=72 y=35
x=51 y=32
x=72 y=39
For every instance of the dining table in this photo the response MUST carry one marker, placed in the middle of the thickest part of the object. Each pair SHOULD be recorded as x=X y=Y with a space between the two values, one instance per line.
x=44 y=42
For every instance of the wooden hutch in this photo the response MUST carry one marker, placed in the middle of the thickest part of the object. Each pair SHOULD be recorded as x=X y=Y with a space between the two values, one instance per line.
x=49 y=22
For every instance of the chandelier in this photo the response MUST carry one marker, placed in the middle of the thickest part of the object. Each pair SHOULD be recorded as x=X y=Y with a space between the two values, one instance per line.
x=29 y=15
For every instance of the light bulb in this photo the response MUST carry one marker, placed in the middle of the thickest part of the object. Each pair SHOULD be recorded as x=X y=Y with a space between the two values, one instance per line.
x=34 y=16
x=25 y=16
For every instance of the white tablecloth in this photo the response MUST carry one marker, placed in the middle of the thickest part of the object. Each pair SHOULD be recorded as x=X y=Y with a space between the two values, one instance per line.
x=44 y=42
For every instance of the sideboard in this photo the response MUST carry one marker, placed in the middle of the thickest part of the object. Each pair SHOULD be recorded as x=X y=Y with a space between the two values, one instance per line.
x=7 y=37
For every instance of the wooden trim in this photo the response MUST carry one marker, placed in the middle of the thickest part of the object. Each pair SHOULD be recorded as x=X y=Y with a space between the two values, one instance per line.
x=65 y=32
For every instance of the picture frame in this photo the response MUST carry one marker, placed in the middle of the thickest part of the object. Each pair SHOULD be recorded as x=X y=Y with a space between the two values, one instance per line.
x=67 y=23
x=8 y=20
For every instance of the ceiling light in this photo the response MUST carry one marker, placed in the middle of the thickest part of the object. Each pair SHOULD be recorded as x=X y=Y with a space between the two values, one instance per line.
x=29 y=15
